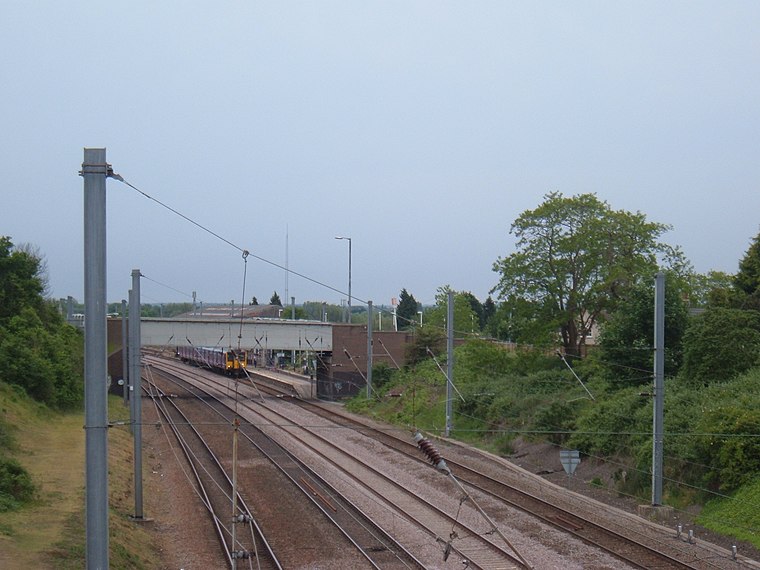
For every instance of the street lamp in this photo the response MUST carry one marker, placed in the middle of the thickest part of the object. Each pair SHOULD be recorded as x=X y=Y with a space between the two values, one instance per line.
x=349 y=275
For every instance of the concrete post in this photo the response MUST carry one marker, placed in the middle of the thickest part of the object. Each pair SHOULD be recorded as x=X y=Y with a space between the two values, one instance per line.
x=135 y=377
x=94 y=171
x=124 y=352
x=659 y=388
x=369 y=349
x=449 y=360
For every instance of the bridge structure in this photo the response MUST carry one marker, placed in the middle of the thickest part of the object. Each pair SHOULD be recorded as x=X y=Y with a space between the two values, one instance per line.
x=334 y=354
x=263 y=334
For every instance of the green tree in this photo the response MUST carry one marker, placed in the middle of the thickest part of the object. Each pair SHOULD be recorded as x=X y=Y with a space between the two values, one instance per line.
x=748 y=277
x=275 y=300
x=627 y=336
x=44 y=359
x=406 y=311
x=21 y=281
x=477 y=309
x=427 y=339
x=712 y=288
x=524 y=322
x=465 y=319
x=38 y=351
x=719 y=344
x=489 y=310
x=575 y=258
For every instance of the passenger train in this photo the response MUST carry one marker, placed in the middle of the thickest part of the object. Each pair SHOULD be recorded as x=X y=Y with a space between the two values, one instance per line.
x=227 y=361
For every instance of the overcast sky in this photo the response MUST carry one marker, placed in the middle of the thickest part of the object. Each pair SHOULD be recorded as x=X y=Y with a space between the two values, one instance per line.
x=419 y=129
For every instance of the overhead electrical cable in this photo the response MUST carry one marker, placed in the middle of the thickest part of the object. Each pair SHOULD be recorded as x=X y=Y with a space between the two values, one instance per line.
x=242 y=250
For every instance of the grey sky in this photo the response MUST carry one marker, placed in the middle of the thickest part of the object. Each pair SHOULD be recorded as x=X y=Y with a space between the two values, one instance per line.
x=420 y=129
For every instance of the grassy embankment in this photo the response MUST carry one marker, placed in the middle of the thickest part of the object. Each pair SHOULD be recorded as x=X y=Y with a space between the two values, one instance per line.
x=50 y=532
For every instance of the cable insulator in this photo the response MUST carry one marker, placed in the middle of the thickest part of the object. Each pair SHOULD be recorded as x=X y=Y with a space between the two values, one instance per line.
x=432 y=453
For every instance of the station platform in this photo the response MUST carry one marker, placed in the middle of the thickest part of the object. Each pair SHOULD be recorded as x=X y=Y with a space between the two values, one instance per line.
x=300 y=385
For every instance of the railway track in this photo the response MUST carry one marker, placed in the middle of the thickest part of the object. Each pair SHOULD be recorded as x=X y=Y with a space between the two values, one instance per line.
x=244 y=546
x=478 y=547
x=378 y=548
x=645 y=550
x=635 y=548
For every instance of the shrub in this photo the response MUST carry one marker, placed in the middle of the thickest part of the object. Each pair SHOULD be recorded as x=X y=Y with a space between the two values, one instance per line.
x=720 y=344
x=556 y=418
x=16 y=486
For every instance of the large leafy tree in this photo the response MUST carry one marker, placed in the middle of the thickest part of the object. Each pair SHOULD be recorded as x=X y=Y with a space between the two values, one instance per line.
x=406 y=312
x=575 y=258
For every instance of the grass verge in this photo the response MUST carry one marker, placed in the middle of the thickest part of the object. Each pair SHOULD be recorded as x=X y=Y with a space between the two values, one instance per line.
x=738 y=516
x=50 y=532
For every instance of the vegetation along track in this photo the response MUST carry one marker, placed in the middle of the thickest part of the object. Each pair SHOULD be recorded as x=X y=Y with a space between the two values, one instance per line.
x=628 y=542
x=374 y=544
x=215 y=489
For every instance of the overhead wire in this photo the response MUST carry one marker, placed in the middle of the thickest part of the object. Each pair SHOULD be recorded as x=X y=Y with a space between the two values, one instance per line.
x=165 y=285
x=242 y=250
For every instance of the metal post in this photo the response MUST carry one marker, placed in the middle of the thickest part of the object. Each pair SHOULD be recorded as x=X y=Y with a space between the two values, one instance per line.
x=135 y=377
x=293 y=317
x=348 y=319
x=659 y=387
x=349 y=281
x=369 y=349
x=233 y=542
x=124 y=350
x=95 y=170
x=449 y=360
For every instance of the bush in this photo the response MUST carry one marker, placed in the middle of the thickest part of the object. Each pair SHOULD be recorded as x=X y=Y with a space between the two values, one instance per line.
x=720 y=344
x=556 y=419
x=732 y=448
x=16 y=485
x=613 y=425
x=382 y=374
x=45 y=360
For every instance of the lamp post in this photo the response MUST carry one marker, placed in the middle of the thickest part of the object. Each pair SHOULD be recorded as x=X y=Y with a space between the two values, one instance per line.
x=349 y=275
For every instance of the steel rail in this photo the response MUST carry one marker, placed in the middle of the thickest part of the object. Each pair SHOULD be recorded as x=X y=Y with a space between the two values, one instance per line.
x=407 y=559
x=469 y=532
x=192 y=459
